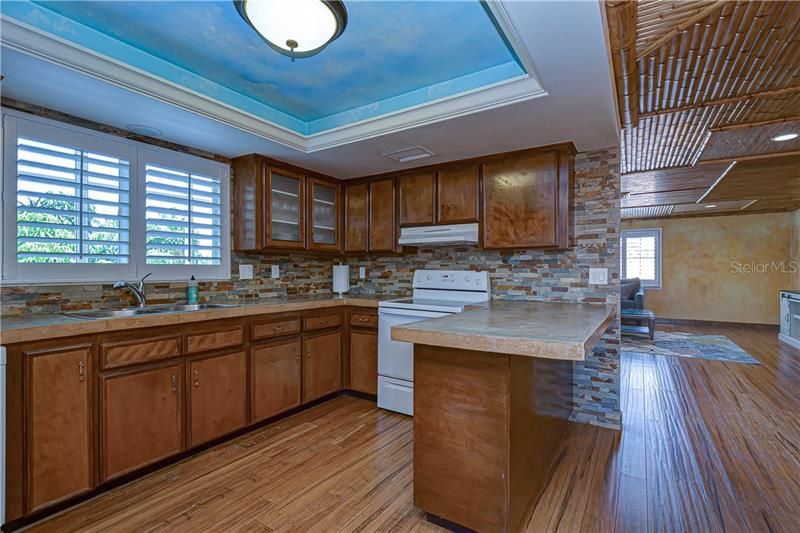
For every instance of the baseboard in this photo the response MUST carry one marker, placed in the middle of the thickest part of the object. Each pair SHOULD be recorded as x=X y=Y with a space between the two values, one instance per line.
x=790 y=340
x=689 y=322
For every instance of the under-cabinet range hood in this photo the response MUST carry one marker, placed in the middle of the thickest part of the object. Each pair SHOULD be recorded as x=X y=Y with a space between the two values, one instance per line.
x=439 y=235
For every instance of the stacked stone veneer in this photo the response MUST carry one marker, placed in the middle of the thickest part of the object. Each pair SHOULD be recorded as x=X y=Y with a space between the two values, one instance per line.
x=528 y=274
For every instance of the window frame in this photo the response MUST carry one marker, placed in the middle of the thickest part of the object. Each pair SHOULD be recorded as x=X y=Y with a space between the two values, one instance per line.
x=15 y=124
x=642 y=232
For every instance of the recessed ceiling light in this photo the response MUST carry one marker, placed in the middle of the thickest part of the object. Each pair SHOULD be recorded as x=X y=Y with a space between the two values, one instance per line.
x=709 y=206
x=141 y=129
x=784 y=137
x=295 y=28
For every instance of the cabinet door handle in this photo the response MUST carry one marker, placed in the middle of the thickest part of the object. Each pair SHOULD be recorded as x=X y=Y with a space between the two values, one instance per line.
x=174 y=380
x=82 y=370
x=196 y=378
x=296 y=354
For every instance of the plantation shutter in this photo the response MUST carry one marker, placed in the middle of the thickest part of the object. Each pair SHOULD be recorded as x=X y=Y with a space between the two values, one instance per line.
x=73 y=205
x=183 y=217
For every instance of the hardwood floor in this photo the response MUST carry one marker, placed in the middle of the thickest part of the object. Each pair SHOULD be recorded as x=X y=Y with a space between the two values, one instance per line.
x=706 y=446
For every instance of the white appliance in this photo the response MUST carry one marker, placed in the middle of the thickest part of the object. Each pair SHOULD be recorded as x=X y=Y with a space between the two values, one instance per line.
x=436 y=293
x=439 y=235
x=2 y=434
x=790 y=318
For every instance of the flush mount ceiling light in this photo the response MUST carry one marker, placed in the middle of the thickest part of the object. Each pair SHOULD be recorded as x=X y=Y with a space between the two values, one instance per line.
x=295 y=28
x=784 y=137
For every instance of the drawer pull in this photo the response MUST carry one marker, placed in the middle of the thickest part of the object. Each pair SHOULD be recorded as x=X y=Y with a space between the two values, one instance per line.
x=363 y=319
x=174 y=379
x=196 y=378
x=277 y=328
x=82 y=370
x=323 y=322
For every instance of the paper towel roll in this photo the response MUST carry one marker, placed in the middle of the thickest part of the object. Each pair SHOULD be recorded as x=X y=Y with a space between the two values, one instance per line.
x=341 y=279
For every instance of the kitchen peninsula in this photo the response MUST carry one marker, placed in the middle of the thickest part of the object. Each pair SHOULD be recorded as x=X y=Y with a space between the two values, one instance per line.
x=492 y=394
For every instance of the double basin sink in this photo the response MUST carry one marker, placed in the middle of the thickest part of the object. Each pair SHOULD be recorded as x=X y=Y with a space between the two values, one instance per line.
x=147 y=310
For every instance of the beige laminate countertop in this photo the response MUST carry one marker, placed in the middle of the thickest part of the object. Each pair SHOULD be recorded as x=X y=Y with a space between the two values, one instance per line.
x=50 y=326
x=534 y=329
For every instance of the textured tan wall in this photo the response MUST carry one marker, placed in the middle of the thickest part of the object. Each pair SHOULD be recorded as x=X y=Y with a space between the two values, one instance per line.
x=706 y=262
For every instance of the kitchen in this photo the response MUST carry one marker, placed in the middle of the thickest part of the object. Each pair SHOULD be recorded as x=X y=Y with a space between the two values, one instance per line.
x=260 y=276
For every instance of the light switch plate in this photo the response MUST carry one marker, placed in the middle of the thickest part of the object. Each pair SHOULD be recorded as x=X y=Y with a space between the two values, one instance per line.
x=276 y=271
x=598 y=276
x=245 y=271
x=362 y=272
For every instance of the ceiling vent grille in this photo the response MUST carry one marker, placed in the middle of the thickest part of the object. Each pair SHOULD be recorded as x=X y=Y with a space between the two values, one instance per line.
x=409 y=154
x=654 y=211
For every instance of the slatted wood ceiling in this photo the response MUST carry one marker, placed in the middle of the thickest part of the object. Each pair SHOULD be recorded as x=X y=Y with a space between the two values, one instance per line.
x=706 y=81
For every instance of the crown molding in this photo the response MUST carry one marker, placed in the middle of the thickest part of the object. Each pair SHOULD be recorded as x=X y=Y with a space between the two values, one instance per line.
x=27 y=39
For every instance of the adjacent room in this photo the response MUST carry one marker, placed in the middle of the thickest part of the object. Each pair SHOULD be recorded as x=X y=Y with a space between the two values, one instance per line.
x=412 y=265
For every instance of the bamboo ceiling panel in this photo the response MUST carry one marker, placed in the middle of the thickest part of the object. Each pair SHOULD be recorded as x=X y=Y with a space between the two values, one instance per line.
x=674 y=179
x=775 y=182
x=700 y=65
x=749 y=141
x=688 y=196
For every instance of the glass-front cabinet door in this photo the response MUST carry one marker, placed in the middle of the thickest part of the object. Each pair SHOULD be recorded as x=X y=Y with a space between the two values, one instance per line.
x=323 y=217
x=285 y=226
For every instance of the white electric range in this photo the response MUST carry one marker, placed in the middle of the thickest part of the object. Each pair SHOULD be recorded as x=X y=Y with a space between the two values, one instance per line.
x=436 y=293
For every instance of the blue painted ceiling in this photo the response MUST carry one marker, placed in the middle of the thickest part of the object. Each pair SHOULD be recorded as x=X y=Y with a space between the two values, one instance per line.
x=393 y=54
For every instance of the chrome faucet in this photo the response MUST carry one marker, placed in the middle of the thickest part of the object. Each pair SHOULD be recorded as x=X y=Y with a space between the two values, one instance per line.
x=137 y=290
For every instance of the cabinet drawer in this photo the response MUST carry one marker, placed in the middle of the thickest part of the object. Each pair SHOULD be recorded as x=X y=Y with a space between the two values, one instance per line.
x=321 y=322
x=116 y=354
x=214 y=340
x=363 y=320
x=274 y=328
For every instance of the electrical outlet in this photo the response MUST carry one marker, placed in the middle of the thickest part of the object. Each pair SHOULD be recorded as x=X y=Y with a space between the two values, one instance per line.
x=245 y=271
x=276 y=271
x=598 y=276
x=362 y=272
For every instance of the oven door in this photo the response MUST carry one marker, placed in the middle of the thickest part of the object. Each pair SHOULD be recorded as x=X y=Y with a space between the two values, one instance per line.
x=396 y=359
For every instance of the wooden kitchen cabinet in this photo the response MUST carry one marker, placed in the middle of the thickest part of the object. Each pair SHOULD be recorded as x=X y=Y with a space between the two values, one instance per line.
x=322 y=373
x=364 y=361
x=286 y=216
x=416 y=198
x=217 y=396
x=525 y=199
x=382 y=216
x=324 y=203
x=458 y=194
x=356 y=209
x=59 y=454
x=276 y=378
x=247 y=190
x=141 y=418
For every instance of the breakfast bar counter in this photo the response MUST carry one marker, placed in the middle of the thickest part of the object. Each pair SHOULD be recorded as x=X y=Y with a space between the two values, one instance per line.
x=492 y=395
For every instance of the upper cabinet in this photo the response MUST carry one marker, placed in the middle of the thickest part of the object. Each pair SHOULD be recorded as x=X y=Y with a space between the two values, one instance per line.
x=382 y=236
x=457 y=194
x=416 y=194
x=525 y=199
x=282 y=208
x=356 y=211
x=323 y=215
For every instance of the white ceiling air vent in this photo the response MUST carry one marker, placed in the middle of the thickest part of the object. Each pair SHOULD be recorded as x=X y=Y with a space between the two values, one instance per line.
x=409 y=154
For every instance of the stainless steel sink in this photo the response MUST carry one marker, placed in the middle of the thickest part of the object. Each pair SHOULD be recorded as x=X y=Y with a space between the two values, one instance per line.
x=139 y=311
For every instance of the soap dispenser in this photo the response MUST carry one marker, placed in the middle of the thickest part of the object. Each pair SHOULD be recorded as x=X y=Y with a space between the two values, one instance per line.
x=191 y=291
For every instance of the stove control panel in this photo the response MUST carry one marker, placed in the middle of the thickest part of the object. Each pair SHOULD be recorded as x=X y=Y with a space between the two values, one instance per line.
x=461 y=280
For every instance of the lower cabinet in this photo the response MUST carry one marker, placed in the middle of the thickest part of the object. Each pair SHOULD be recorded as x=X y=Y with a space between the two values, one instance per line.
x=364 y=361
x=276 y=377
x=323 y=372
x=59 y=424
x=140 y=418
x=217 y=396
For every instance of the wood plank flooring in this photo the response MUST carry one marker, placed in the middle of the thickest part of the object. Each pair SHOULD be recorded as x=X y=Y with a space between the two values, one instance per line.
x=706 y=446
